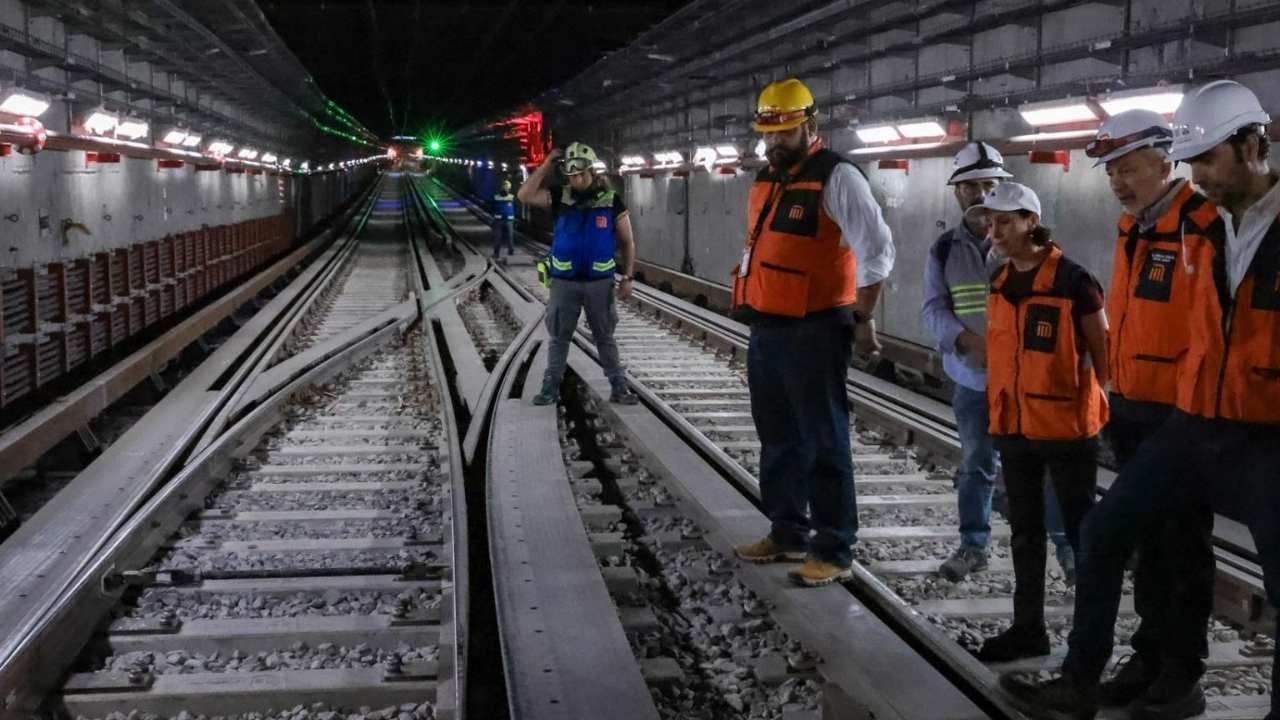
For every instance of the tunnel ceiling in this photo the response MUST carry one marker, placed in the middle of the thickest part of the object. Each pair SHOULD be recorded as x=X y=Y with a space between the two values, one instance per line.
x=412 y=66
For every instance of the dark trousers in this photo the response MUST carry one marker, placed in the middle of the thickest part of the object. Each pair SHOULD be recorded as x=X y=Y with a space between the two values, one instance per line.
x=1232 y=467
x=1173 y=581
x=1073 y=475
x=796 y=372
x=504 y=233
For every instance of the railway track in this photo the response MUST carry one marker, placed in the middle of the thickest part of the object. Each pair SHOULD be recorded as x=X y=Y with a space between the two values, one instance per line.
x=307 y=558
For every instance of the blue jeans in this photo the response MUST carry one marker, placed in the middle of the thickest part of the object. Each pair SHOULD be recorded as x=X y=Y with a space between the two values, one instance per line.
x=504 y=233
x=796 y=372
x=976 y=477
x=1190 y=460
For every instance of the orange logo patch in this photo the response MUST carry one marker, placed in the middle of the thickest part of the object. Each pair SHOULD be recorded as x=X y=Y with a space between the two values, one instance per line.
x=1157 y=273
x=602 y=222
x=796 y=212
x=1044 y=329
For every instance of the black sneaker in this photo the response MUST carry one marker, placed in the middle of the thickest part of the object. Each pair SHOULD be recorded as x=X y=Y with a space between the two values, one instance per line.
x=1015 y=643
x=1067 y=561
x=1058 y=699
x=623 y=396
x=546 y=397
x=1130 y=681
x=1174 y=695
x=963 y=561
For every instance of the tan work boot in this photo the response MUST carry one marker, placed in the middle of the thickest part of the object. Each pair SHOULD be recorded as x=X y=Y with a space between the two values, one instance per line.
x=816 y=573
x=767 y=551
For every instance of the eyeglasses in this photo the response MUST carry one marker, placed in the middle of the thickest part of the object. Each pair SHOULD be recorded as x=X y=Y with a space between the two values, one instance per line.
x=776 y=117
x=1107 y=145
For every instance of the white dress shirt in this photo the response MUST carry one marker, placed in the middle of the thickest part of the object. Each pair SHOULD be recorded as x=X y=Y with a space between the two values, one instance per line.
x=1242 y=244
x=847 y=199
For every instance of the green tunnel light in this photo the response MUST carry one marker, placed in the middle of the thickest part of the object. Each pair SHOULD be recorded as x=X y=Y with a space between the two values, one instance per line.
x=434 y=145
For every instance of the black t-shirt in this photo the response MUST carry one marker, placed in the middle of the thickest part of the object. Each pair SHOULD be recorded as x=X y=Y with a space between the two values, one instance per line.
x=1086 y=291
x=619 y=207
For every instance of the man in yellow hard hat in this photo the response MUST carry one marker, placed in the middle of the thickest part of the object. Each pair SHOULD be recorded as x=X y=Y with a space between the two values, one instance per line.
x=817 y=251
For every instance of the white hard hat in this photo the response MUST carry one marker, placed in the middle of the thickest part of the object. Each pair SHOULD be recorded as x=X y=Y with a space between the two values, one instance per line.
x=1008 y=197
x=1210 y=114
x=1125 y=132
x=978 y=161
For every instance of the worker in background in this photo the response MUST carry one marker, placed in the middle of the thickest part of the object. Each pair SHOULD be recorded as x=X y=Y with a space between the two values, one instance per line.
x=504 y=220
x=817 y=251
x=1164 y=222
x=1046 y=367
x=955 y=311
x=591 y=226
x=1219 y=444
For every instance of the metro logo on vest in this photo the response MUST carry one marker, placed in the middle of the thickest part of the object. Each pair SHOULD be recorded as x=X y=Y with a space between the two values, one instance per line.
x=1041 y=330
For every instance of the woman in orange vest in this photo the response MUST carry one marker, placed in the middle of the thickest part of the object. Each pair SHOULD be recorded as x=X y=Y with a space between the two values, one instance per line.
x=1046 y=364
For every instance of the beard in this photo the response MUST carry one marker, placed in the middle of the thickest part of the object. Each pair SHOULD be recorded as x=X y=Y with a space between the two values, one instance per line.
x=781 y=157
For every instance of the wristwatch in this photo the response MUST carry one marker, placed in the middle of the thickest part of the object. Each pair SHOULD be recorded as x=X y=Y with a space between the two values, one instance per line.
x=623 y=277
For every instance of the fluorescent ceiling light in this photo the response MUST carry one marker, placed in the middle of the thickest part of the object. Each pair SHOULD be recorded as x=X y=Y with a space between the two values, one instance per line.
x=1058 y=114
x=922 y=129
x=760 y=148
x=704 y=156
x=100 y=122
x=1059 y=135
x=599 y=166
x=269 y=158
x=286 y=162
x=727 y=153
x=23 y=102
x=247 y=154
x=633 y=161
x=893 y=148
x=175 y=137
x=1164 y=101
x=220 y=147
x=132 y=128
x=881 y=134
x=669 y=157
x=191 y=140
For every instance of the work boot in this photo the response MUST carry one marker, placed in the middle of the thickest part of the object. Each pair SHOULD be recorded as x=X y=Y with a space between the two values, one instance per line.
x=1015 y=643
x=816 y=573
x=767 y=551
x=1174 y=695
x=1130 y=681
x=966 y=559
x=1067 y=561
x=622 y=396
x=1061 y=698
x=549 y=395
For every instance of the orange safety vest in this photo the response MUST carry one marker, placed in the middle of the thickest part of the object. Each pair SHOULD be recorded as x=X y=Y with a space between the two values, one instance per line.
x=1151 y=297
x=794 y=262
x=1232 y=367
x=1039 y=384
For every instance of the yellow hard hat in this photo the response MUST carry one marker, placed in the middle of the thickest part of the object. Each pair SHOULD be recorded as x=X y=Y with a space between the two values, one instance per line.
x=783 y=105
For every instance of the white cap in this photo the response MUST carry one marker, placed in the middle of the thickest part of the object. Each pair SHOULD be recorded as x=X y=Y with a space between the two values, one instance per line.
x=1210 y=114
x=1008 y=197
x=978 y=161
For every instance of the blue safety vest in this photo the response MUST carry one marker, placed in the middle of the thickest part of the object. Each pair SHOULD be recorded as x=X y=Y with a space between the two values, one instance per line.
x=584 y=244
x=504 y=207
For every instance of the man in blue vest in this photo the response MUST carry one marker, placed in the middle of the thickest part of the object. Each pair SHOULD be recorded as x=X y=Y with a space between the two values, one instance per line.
x=504 y=220
x=591 y=225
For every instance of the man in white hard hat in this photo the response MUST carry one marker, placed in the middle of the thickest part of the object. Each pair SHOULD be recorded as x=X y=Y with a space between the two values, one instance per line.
x=1219 y=444
x=1148 y=305
x=959 y=265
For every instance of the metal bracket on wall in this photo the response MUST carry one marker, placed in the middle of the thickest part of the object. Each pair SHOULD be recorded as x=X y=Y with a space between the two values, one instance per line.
x=88 y=439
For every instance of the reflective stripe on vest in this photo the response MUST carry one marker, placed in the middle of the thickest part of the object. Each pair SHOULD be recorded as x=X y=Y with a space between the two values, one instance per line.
x=1232 y=366
x=798 y=264
x=584 y=243
x=1151 y=297
x=969 y=298
x=1039 y=383
x=504 y=207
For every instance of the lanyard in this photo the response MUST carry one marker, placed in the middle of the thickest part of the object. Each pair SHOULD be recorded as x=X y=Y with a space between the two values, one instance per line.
x=775 y=192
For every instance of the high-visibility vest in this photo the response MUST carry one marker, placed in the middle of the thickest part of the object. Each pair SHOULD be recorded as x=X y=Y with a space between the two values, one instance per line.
x=1151 y=297
x=1039 y=382
x=583 y=246
x=795 y=260
x=1232 y=366
x=504 y=206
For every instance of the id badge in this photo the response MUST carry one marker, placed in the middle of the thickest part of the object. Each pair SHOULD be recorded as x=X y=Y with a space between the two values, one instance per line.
x=745 y=267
